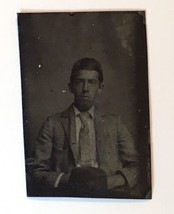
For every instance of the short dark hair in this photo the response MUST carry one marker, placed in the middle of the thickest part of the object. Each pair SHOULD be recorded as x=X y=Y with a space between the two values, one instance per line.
x=87 y=64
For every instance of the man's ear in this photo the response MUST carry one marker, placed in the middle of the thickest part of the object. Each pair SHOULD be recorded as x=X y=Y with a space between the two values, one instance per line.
x=101 y=86
x=70 y=87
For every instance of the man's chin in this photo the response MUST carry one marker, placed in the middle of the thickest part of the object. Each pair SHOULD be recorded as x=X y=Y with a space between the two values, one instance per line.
x=84 y=105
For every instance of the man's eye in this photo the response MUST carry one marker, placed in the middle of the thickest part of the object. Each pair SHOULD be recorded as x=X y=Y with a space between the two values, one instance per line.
x=92 y=81
x=78 y=80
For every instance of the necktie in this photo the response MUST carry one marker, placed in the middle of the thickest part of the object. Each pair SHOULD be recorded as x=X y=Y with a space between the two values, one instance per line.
x=84 y=140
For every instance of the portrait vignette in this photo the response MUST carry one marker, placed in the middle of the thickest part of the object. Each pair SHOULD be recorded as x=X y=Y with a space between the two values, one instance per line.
x=50 y=45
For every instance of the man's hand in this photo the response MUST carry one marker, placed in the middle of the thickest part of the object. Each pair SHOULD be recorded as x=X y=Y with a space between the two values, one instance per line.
x=118 y=186
x=115 y=181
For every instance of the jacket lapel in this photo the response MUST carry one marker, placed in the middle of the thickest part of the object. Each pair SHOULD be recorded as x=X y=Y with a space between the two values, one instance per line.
x=68 y=122
x=99 y=131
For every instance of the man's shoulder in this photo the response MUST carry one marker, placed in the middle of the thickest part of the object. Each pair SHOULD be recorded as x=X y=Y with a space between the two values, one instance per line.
x=58 y=115
x=55 y=116
x=110 y=115
x=108 y=118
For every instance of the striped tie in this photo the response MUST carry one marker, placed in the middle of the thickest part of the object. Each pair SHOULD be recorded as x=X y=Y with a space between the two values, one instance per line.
x=84 y=140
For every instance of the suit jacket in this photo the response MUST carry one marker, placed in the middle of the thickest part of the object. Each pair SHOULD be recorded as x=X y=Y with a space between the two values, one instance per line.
x=56 y=147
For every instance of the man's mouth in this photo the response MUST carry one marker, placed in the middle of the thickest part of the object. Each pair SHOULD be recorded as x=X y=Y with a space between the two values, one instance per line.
x=85 y=97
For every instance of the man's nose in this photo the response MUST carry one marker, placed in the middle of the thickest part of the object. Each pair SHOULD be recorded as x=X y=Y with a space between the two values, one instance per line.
x=85 y=86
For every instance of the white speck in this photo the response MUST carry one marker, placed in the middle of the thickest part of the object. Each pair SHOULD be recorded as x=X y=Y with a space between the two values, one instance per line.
x=38 y=37
x=39 y=65
x=64 y=91
x=92 y=24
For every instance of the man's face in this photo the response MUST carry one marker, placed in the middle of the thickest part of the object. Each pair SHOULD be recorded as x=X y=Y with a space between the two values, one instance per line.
x=85 y=88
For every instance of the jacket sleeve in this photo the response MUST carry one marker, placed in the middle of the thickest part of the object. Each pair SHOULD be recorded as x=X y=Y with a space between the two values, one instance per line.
x=43 y=172
x=128 y=155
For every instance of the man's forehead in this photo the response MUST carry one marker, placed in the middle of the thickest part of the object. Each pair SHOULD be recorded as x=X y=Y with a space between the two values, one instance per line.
x=87 y=74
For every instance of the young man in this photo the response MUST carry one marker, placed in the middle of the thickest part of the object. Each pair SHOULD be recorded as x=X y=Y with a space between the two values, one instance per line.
x=84 y=152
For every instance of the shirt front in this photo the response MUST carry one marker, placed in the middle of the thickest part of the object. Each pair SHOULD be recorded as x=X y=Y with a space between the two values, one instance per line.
x=92 y=137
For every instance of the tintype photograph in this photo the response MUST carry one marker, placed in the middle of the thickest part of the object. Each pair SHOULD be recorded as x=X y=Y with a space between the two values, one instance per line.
x=84 y=79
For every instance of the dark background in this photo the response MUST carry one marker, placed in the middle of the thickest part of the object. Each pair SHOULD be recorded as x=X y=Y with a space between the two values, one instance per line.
x=49 y=45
